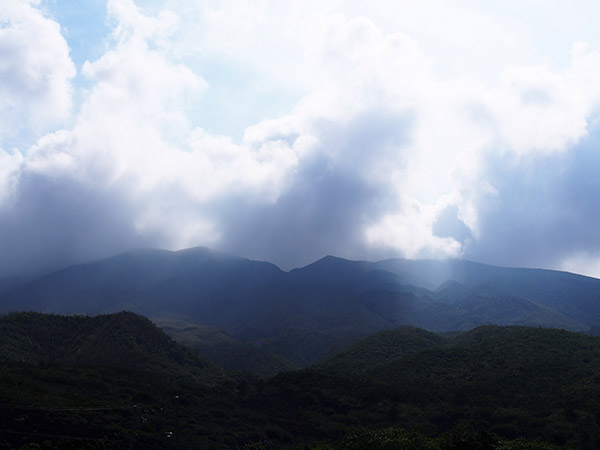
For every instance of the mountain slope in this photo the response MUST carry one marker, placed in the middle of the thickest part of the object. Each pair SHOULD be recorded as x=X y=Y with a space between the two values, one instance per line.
x=377 y=350
x=517 y=382
x=147 y=281
x=503 y=366
x=575 y=296
x=215 y=345
x=312 y=312
x=123 y=340
x=514 y=381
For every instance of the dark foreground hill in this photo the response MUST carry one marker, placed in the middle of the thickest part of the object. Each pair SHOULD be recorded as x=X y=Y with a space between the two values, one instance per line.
x=295 y=318
x=512 y=381
x=488 y=366
x=213 y=344
x=490 y=388
x=123 y=341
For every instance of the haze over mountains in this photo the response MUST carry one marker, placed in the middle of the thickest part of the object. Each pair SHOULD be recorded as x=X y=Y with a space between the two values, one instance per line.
x=309 y=313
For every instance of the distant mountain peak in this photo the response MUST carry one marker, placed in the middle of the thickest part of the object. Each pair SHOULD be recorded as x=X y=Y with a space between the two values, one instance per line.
x=321 y=304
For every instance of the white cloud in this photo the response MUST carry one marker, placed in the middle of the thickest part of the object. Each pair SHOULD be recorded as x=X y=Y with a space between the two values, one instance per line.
x=585 y=263
x=133 y=136
x=538 y=109
x=35 y=71
x=10 y=166
x=410 y=231
x=379 y=146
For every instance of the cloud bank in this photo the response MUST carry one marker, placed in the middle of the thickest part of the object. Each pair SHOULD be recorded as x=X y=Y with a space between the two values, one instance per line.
x=377 y=152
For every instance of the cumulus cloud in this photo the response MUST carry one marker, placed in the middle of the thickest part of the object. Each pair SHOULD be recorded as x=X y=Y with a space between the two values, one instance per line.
x=132 y=170
x=381 y=155
x=35 y=71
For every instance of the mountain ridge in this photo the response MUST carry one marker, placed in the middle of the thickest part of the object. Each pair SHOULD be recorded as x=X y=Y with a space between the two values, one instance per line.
x=322 y=307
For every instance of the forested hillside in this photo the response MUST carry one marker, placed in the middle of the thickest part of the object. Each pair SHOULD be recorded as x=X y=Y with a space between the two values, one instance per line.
x=66 y=383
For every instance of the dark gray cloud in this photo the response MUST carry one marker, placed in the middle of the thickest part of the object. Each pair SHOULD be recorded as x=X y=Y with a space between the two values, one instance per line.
x=546 y=209
x=322 y=211
x=332 y=197
x=53 y=221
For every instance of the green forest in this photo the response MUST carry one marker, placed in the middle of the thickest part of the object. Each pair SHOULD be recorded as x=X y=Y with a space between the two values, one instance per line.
x=119 y=382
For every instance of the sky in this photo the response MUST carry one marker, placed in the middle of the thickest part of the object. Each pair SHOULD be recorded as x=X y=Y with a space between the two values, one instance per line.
x=289 y=130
